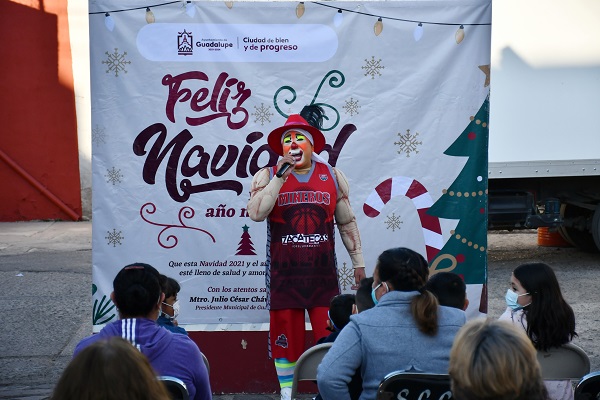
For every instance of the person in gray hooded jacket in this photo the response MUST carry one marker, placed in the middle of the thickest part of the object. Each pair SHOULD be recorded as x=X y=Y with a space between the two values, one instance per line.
x=407 y=330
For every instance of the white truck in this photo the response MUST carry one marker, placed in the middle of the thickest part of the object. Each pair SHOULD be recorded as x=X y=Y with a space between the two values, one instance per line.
x=544 y=151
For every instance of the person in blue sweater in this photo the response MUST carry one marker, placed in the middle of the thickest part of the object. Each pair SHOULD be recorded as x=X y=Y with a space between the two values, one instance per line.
x=169 y=309
x=137 y=295
x=407 y=330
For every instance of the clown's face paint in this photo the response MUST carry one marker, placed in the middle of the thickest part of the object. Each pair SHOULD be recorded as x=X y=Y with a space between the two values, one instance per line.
x=298 y=146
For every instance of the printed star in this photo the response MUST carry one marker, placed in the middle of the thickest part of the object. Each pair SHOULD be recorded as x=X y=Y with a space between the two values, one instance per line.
x=486 y=70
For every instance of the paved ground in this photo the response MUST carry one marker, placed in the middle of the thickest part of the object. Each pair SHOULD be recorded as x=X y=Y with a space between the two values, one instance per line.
x=45 y=284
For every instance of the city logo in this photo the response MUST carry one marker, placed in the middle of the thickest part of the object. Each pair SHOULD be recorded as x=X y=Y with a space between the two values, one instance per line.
x=185 y=43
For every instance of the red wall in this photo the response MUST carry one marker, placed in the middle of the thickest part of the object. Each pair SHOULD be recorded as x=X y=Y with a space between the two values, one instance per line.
x=37 y=113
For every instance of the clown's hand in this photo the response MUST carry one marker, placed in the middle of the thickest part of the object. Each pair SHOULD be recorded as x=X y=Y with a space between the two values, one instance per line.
x=287 y=159
x=359 y=274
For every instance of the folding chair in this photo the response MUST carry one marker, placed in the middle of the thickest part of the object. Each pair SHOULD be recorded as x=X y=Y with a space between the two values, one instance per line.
x=414 y=386
x=306 y=366
x=565 y=362
x=175 y=386
x=205 y=362
x=588 y=387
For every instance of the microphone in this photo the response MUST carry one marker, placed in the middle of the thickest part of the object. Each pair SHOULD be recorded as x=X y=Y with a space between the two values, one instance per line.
x=282 y=170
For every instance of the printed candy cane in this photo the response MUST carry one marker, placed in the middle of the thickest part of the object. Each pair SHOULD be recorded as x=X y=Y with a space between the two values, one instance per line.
x=416 y=192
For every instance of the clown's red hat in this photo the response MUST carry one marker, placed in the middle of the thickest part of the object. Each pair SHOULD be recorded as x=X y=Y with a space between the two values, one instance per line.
x=297 y=122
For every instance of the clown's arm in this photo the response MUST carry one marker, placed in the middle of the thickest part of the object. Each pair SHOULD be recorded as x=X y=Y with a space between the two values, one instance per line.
x=346 y=222
x=263 y=195
x=264 y=190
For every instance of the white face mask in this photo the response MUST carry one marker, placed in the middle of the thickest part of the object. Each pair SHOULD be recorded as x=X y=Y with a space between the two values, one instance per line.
x=175 y=308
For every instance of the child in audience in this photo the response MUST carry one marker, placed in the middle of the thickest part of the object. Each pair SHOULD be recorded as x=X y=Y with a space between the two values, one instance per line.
x=492 y=360
x=363 y=299
x=450 y=290
x=110 y=369
x=536 y=305
x=341 y=308
x=169 y=309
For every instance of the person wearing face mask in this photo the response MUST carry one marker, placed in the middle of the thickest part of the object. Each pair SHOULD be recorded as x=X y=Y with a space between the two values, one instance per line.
x=137 y=294
x=536 y=305
x=169 y=308
x=303 y=199
x=407 y=330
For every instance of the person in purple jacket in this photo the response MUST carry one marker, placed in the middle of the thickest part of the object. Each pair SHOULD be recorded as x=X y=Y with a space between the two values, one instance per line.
x=137 y=295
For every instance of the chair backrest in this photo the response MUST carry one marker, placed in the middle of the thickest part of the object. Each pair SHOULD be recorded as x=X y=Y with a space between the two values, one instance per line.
x=589 y=387
x=414 y=386
x=205 y=362
x=175 y=387
x=565 y=362
x=306 y=366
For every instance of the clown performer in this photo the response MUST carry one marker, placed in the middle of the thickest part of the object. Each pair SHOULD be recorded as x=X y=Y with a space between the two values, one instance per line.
x=301 y=207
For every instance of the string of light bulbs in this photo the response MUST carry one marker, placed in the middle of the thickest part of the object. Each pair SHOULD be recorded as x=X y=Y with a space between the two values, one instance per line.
x=190 y=10
x=378 y=27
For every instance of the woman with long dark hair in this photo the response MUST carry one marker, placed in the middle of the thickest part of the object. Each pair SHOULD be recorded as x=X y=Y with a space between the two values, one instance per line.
x=536 y=304
x=406 y=330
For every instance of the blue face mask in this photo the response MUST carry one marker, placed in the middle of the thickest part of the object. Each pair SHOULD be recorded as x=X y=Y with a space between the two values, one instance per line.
x=512 y=299
x=375 y=301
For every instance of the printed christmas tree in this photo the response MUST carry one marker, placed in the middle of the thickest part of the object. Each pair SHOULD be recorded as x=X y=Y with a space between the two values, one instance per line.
x=245 y=246
x=466 y=200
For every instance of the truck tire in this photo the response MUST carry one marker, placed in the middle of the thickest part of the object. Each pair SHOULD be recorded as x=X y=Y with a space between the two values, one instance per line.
x=573 y=229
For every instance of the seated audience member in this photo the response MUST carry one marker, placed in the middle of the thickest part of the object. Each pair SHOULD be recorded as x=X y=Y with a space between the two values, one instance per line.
x=363 y=298
x=110 y=369
x=492 y=360
x=341 y=308
x=449 y=289
x=137 y=295
x=169 y=309
x=536 y=305
x=406 y=330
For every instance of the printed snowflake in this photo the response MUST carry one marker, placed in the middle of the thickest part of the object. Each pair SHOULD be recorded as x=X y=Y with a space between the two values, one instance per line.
x=346 y=276
x=262 y=114
x=372 y=67
x=114 y=238
x=113 y=176
x=408 y=143
x=98 y=135
x=351 y=107
x=393 y=222
x=116 y=62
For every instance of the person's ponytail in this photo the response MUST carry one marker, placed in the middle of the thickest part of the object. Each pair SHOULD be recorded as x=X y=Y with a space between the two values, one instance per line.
x=424 y=308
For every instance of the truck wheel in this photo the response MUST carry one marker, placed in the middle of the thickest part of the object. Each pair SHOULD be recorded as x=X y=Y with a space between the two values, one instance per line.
x=574 y=217
x=596 y=226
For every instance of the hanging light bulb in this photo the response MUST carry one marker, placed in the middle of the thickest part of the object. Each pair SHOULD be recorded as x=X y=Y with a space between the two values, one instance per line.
x=338 y=18
x=149 y=16
x=190 y=9
x=229 y=4
x=378 y=28
x=109 y=22
x=460 y=34
x=418 y=32
x=300 y=9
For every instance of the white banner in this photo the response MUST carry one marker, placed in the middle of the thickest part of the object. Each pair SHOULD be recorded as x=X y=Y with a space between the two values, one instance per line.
x=183 y=99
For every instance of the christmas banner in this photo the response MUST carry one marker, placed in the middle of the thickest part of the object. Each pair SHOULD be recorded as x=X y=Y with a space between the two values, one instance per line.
x=184 y=95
